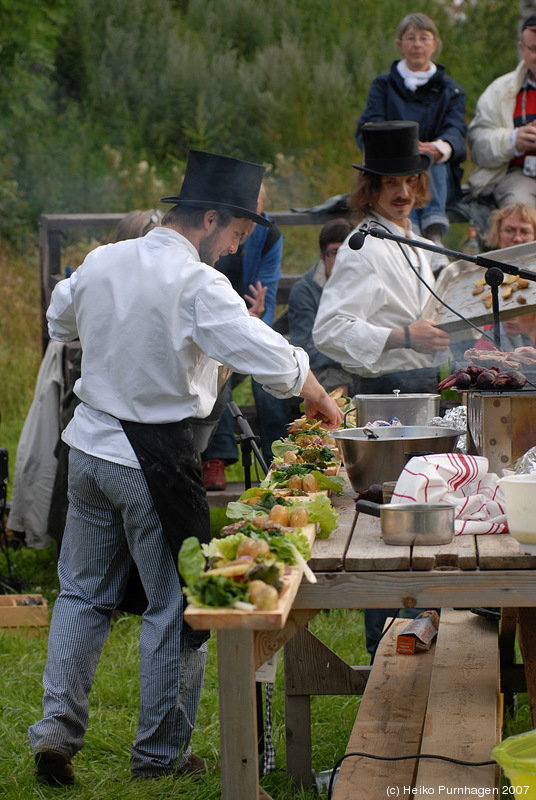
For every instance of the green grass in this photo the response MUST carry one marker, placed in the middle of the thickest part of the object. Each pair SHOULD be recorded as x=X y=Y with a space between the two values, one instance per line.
x=102 y=766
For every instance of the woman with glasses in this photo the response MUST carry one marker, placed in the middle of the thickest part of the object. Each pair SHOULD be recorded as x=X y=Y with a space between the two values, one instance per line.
x=417 y=89
x=508 y=226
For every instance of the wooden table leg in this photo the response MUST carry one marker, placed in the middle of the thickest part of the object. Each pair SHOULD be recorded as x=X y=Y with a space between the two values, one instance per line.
x=527 y=636
x=238 y=715
x=507 y=639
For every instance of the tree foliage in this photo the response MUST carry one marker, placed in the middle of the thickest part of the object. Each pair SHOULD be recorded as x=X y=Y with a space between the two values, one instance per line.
x=100 y=100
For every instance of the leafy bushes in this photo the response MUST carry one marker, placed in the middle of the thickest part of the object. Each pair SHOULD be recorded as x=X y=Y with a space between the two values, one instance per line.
x=146 y=80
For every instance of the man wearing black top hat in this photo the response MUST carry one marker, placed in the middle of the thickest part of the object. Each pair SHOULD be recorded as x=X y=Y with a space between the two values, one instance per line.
x=155 y=321
x=369 y=318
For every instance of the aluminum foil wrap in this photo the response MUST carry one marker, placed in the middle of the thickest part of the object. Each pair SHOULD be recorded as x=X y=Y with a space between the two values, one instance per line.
x=454 y=418
x=527 y=463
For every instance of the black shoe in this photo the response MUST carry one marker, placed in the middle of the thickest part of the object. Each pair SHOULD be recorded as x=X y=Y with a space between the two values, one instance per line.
x=53 y=767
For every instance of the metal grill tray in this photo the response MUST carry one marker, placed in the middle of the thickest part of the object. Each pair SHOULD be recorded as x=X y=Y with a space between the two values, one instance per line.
x=456 y=283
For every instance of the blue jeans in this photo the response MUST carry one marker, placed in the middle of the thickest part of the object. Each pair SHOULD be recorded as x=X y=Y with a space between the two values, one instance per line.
x=111 y=522
x=375 y=620
x=441 y=188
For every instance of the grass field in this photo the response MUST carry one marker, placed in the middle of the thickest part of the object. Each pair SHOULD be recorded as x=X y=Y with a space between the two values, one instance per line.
x=102 y=767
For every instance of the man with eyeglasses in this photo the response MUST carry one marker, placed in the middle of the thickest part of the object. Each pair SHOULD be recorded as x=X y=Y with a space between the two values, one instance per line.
x=502 y=135
x=417 y=89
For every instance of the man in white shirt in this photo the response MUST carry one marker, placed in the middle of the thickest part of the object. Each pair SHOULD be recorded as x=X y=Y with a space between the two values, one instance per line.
x=155 y=321
x=369 y=318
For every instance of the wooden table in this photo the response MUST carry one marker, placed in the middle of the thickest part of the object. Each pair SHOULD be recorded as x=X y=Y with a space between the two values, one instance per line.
x=355 y=569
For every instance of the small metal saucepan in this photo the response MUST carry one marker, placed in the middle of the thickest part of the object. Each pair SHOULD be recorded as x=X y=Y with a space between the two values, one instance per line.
x=412 y=523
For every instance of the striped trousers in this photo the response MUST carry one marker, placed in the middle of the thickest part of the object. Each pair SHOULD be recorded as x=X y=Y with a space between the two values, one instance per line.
x=112 y=523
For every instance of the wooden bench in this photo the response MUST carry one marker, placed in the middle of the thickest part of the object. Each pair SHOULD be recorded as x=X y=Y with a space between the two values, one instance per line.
x=445 y=701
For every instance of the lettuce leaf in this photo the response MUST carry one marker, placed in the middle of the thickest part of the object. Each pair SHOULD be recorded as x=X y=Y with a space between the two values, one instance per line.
x=280 y=447
x=333 y=482
x=321 y=511
x=225 y=547
x=216 y=591
x=191 y=560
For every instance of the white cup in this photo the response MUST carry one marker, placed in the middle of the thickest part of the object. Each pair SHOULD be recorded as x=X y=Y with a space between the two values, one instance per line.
x=520 y=499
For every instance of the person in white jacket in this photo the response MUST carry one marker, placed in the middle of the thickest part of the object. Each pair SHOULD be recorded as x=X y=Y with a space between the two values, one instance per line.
x=502 y=135
x=370 y=317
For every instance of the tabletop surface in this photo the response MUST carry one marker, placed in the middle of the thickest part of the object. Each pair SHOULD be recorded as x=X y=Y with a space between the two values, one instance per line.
x=356 y=546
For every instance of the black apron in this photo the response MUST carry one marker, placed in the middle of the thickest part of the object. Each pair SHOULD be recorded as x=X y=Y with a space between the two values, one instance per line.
x=172 y=469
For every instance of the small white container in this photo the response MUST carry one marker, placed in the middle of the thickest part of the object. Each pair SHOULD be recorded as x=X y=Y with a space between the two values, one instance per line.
x=520 y=499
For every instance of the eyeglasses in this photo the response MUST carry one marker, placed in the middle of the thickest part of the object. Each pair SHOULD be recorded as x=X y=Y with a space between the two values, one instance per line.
x=530 y=47
x=331 y=252
x=424 y=39
x=511 y=232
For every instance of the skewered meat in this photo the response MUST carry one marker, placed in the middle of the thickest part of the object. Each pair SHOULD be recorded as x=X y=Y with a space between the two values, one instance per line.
x=494 y=357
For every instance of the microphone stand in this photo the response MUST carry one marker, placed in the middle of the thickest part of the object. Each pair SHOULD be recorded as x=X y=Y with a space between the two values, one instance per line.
x=248 y=443
x=494 y=269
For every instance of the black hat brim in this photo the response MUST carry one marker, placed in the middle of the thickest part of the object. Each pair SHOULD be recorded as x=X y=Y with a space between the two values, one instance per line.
x=419 y=164
x=236 y=211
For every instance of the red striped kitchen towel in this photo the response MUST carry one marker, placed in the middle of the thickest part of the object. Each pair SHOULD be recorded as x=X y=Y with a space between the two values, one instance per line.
x=459 y=480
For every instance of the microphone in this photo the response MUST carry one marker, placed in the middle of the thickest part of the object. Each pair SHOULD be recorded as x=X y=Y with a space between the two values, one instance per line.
x=357 y=239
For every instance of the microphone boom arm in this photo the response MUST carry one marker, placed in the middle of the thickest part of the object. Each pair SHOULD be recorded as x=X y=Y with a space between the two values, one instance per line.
x=482 y=261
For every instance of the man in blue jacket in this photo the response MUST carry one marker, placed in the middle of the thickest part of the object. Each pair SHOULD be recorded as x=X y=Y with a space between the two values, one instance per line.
x=419 y=90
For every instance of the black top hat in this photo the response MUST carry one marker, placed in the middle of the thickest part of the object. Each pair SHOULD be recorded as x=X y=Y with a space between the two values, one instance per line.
x=392 y=148
x=530 y=22
x=223 y=183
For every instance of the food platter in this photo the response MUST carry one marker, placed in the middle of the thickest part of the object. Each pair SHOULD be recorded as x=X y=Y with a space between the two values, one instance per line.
x=458 y=282
x=231 y=618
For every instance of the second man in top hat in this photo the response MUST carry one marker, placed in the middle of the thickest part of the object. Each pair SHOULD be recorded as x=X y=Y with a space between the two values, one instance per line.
x=370 y=315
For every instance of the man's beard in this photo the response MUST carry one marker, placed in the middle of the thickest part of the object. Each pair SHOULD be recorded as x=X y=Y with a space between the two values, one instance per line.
x=207 y=250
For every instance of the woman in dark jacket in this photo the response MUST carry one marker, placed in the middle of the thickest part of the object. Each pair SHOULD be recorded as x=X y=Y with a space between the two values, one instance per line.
x=419 y=90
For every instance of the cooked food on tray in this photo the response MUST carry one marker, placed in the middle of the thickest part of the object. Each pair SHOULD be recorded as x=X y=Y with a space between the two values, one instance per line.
x=280 y=505
x=243 y=569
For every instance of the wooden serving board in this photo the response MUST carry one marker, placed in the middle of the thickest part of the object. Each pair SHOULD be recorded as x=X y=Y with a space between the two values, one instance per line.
x=456 y=283
x=231 y=618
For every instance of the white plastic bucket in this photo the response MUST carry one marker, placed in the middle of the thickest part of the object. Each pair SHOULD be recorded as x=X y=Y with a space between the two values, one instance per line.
x=520 y=499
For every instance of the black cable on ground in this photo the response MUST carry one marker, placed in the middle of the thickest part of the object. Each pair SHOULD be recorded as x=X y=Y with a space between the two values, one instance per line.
x=403 y=758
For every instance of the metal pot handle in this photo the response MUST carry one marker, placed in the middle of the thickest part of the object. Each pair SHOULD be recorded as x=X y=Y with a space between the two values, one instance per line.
x=354 y=408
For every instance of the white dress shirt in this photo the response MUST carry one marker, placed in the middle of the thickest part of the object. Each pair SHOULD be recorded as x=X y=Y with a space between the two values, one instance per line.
x=154 y=324
x=370 y=292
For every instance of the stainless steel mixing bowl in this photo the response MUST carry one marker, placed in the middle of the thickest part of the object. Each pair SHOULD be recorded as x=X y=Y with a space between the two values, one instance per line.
x=376 y=460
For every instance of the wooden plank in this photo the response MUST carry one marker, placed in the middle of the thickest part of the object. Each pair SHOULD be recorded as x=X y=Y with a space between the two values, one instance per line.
x=238 y=716
x=431 y=589
x=463 y=715
x=23 y=610
x=389 y=723
x=206 y=618
x=527 y=637
x=501 y=551
x=311 y=667
x=368 y=552
x=266 y=643
x=328 y=554
x=458 y=554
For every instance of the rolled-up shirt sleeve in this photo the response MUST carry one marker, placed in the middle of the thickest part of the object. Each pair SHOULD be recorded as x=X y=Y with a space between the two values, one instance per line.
x=61 y=315
x=246 y=344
